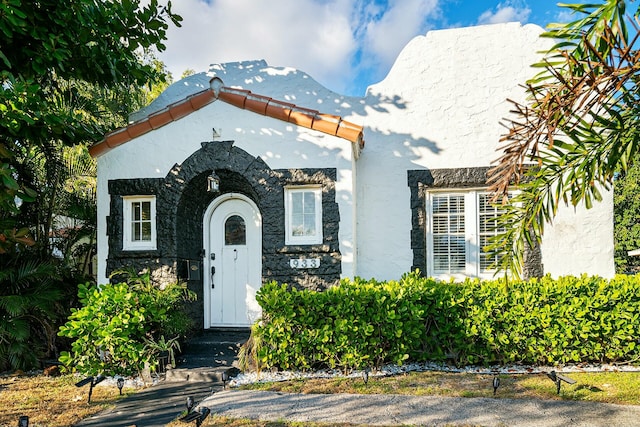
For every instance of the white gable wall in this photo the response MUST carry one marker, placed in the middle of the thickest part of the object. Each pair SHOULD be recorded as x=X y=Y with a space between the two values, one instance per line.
x=281 y=145
x=440 y=107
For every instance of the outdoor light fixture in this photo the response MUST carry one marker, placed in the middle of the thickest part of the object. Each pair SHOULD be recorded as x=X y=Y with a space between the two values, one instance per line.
x=84 y=381
x=558 y=379
x=496 y=384
x=23 y=421
x=120 y=384
x=197 y=416
x=213 y=183
x=225 y=378
x=365 y=376
x=92 y=383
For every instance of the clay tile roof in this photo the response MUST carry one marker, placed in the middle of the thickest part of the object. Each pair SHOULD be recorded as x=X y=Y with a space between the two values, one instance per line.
x=312 y=119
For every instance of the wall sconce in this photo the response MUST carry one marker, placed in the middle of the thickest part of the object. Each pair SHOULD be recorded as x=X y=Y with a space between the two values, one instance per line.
x=213 y=183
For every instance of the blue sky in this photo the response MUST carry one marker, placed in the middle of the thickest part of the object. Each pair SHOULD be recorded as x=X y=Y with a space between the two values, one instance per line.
x=346 y=45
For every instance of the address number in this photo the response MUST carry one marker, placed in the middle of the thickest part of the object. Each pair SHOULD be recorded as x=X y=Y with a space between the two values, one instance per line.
x=305 y=263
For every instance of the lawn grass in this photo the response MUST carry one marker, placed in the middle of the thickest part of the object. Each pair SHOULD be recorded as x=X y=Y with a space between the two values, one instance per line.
x=606 y=387
x=52 y=401
x=57 y=402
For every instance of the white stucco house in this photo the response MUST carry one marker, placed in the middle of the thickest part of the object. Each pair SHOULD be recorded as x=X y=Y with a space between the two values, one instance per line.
x=249 y=173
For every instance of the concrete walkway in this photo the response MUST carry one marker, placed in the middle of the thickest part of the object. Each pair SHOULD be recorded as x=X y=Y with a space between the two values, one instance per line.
x=388 y=410
x=198 y=375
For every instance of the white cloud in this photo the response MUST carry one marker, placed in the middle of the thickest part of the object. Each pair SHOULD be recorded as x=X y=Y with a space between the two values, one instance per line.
x=403 y=20
x=307 y=35
x=332 y=40
x=506 y=12
x=565 y=16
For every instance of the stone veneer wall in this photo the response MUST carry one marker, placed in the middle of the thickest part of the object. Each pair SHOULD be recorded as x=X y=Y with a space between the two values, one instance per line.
x=182 y=199
x=421 y=181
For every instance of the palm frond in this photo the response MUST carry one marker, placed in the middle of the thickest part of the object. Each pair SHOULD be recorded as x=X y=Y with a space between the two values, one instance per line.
x=577 y=126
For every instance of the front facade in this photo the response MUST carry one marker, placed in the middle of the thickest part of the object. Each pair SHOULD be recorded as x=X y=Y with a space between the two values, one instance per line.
x=251 y=173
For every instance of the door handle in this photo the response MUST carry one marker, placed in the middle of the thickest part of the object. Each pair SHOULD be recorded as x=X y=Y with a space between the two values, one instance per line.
x=213 y=271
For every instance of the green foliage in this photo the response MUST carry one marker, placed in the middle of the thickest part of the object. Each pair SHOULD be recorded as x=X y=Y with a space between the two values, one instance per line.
x=626 y=234
x=61 y=65
x=29 y=299
x=119 y=323
x=367 y=323
x=69 y=72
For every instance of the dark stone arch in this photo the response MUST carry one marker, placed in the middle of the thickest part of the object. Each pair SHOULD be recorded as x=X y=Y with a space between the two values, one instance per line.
x=187 y=193
x=182 y=199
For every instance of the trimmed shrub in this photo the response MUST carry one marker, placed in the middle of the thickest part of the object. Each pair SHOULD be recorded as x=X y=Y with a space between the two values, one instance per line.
x=367 y=323
x=118 y=324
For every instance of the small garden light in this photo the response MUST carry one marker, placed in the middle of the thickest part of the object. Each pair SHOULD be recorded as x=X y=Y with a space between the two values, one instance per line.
x=225 y=378
x=558 y=379
x=496 y=384
x=84 y=382
x=120 y=384
x=197 y=416
x=23 y=421
x=365 y=376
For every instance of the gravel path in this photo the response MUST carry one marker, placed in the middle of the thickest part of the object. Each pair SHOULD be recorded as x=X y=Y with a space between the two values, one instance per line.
x=418 y=410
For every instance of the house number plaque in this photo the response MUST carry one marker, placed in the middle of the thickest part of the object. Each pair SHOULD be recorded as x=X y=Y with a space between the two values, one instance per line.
x=305 y=263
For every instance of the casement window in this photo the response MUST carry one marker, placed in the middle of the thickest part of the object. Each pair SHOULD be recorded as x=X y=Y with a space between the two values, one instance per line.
x=459 y=226
x=139 y=223
x=303 y=215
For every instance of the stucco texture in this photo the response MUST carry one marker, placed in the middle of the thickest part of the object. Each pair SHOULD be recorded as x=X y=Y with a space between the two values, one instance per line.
x=440 y=107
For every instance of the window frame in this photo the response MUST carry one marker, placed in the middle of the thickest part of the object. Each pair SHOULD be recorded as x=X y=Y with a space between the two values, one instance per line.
x=128 y=244
x=473 y=252
x=290 y=239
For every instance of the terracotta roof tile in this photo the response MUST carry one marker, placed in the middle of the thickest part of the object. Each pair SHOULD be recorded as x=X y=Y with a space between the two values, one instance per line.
x=312 y=119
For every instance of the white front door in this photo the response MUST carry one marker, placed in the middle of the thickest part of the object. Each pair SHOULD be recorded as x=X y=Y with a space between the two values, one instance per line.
x=234 y=262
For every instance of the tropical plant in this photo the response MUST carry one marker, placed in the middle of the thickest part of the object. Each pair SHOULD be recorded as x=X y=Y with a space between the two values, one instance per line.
x=28 y=302
x=69 y=72
x=576 y=130
x=161 y=347
x=626 y=204
x=120 y=327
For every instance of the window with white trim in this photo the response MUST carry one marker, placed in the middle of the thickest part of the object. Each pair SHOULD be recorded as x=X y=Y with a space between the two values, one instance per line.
x=139 y=223
x=303 y=215
x=459 y=226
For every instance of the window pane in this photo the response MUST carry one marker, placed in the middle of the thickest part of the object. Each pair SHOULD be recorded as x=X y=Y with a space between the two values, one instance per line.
x=146 y=211
x=235 y=231
x=440 y=224
x=440 y=204
x=135 y=231
x=309 y=202
x=146 y=231
x=457 y=251
x=296 y=203
x=135 y=211
x=297 y=225
x=448 y=233
x=303 y=213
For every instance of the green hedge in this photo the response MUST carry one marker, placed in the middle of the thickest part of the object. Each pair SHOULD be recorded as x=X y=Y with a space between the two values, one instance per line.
x=368 y=323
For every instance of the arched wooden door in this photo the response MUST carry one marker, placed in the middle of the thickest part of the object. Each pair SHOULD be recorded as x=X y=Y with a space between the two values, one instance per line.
x=233 y=261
